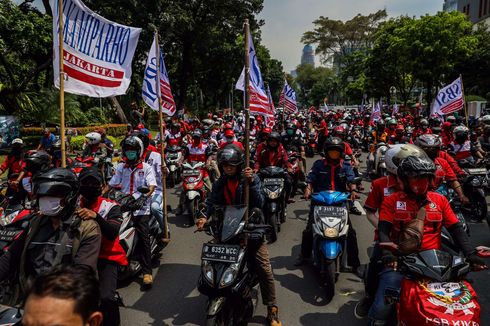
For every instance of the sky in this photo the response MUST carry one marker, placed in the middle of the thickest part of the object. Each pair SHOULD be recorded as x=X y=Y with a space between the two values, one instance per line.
x=287 y=20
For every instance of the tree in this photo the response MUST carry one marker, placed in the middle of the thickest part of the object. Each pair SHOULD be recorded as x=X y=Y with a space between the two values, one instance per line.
x=315 y=84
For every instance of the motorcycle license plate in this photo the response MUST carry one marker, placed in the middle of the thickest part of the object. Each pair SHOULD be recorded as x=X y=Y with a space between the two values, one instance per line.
x=330 y=211
x=220 y=252
x=191 y=173
x=476 y=171
x=9 y=235
x=273 y=182
x=172 y=155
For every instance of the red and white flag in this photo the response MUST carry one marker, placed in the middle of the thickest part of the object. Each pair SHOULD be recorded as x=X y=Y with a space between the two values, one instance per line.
x=97 y=53
x=376 y=114
x=150 y=89
x=288 y=98
x=449 y=99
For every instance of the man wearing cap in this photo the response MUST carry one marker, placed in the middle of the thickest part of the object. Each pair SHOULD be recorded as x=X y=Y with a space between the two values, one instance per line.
x=46 y=140
x=229 y=138
x=14 y=163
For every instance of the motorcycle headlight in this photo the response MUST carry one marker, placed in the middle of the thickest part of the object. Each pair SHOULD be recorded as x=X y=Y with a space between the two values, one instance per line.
x=228 y=277
x=208 y=272
x=331 y=233
x=191 y=186
x=272 y=194
x=475 y=182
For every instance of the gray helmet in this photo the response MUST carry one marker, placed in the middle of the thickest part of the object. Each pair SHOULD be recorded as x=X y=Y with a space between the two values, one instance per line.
x=397 y=153
x=416 y=166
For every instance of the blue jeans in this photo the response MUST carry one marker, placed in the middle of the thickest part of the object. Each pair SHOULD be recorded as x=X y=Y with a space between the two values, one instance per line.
x=380 y=312
x=156 y=209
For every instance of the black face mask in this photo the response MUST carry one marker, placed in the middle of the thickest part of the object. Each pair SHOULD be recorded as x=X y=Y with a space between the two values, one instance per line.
x=90 y=193
x=461 y=138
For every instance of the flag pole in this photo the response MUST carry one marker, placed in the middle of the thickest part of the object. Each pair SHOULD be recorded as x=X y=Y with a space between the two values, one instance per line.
x=464 y=101
x=163 y=171
x=62 y=85
x=247 y=110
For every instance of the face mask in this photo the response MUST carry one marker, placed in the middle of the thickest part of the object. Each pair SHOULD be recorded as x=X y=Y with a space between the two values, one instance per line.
x=229 y=140
x=461 y=139
x=50 y=206
x=196 y=141
x=131 y=155
x=290 y=132
x=90 y=193
x=334 y=155
x=419 y=186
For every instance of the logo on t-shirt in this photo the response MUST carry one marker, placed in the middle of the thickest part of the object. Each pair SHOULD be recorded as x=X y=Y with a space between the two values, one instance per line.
x=387 y=191
x=401 y=205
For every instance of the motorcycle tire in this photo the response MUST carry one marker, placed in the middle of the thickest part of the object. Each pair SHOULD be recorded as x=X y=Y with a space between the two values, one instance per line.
x=217 y=320
x=283 y=215
x=273 y=234
x=276 y=219
x=193 y=212
x=171 y=180
x=329 y=279
x=481 y=212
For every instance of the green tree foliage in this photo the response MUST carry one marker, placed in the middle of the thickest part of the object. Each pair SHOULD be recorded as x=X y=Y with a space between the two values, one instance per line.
x=314 y=85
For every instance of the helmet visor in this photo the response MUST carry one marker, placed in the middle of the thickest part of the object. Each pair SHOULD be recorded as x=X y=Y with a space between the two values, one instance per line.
x=333 y=154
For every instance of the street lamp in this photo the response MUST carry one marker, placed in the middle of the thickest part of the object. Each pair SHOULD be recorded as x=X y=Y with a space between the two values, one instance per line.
x=393 y=93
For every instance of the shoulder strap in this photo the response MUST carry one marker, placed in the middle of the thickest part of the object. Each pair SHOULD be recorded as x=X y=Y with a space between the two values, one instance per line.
x=147 y=156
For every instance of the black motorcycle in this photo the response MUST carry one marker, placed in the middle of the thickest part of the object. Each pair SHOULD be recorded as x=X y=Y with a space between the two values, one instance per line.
x=474 y=184
x=273 y=187
x=226 y=277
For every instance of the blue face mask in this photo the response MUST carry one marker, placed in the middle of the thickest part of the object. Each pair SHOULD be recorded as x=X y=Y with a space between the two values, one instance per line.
x=131 y=155
x=290 y=132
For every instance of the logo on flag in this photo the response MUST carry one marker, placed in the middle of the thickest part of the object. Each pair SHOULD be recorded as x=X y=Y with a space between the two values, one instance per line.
x=97 y=53
x=288 y=98
x=259 y=102
x=394 y=110
x=449 y=99
x=376 y=114
x=150 y=89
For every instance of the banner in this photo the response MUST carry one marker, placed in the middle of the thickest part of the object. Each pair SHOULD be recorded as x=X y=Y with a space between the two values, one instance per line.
x=150 y=88
x=97 y=53
x=376 y=114
x=288 y=98
x=395 y=110
x=449 y=99
x=259 y=102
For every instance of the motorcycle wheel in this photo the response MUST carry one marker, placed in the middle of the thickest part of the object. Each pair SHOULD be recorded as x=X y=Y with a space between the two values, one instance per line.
x=217 y=320
x=171 y=180
x=275 y=231
x=481 y=209
x=329 y=279
x=193 y=213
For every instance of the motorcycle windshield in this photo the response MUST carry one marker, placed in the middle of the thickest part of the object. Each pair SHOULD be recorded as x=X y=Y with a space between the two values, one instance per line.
x=330 y=197
x=272 y=171
x=433 y=264
x=232 y=218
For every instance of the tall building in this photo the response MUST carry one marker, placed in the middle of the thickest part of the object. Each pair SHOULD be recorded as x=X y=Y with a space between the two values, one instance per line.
x=308 y=56
x=450 y=5
x=477 y=10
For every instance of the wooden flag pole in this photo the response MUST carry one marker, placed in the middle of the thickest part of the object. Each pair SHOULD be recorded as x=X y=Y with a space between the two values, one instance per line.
x=464 y=101
x=247 y=110
x=62 y=85
x=166 y=238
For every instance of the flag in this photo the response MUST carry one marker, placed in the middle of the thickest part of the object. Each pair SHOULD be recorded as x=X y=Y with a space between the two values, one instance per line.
x=288 y=98
x=150 y=89
x=258 y=101
x=394 y=110
x=376 y=114
x=97 y=53
x=271 y=102
x=449 y=99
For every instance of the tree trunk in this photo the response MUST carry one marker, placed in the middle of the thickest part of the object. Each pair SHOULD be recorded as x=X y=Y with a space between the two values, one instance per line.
x=119 y=111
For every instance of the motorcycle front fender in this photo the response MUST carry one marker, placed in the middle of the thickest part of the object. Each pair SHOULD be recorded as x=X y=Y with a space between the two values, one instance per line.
x=172 y=168
x=215 y=305
x=272 y=207
x=330 y=248
x=192 y=194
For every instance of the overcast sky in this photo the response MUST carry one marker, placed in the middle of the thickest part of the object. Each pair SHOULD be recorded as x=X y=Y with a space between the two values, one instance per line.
x=287 y=20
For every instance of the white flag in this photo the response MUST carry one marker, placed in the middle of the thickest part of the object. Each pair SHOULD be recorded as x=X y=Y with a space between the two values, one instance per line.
x=449 y=99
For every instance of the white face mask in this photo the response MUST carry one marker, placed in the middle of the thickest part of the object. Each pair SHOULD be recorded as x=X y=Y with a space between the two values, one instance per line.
x=50 y=206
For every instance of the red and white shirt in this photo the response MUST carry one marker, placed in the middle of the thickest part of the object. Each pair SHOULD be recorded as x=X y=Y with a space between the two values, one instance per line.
x=197 y=153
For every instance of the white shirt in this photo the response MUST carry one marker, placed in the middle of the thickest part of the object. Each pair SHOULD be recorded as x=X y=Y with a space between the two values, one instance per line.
x=130 y=179
x=155 y=161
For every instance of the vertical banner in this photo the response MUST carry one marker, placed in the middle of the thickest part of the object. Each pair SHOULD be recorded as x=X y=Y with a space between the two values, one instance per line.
x=150 y=89
x=97 y=53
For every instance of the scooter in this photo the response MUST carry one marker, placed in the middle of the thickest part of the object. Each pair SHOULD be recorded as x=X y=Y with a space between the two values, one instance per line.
x=434 y=290
x=194 y=189
x=378 y=169
x=226 y=278
x=330 y=227
x=128 y=236
x=474 y=185
x=311 y=146
x=173 y=158
x=296 y=174
x=275 y=197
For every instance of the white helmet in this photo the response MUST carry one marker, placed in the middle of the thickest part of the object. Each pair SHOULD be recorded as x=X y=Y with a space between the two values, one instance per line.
x=93 y=138
x=486 y=119
x=396 y=153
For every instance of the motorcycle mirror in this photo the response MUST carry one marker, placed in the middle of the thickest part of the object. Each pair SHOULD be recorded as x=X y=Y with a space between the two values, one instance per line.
x=483 y=252
x=356 y=180
x=388 y=246
x=143 y=190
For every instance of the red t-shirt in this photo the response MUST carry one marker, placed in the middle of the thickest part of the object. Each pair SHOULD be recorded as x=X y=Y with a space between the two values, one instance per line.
x=444 y=172
x=348 y=149
x=323 y=124
x=399 y=208
x=15 y=165
x=380 y=189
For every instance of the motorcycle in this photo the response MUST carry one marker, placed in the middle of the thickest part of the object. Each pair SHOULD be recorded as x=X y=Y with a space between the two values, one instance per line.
x=226 y=278
x=272 y=178
x=474 y=188
x=80 y=163
x=330 y=227
x=296 y=174
x=311 y=146
x=194 y=189
x=173 y=158
x=128 y=236
x=433 y=290
x=9 y=315
x=378 y=169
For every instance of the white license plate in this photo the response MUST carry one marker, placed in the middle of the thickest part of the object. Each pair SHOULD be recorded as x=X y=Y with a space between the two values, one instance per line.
x=191 y=173
x=220 y=252
x=476 y=171
x=273 y=182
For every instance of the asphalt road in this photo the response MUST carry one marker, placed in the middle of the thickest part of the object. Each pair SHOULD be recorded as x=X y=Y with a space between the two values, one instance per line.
x=174 y=299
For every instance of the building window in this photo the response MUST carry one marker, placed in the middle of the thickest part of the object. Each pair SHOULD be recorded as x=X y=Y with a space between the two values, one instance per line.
x=485 y=7
x=480 y=9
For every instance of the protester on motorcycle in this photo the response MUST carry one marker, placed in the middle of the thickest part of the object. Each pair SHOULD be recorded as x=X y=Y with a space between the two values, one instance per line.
x=229 y=190
x=36 y=163
x=396 y=224
x=174 y=133
x=14 y=163
x=461 y=146
x=272 y=153
x=423 y=128
x=131 y=174
x=330 y=173
x=55 y=152
x=431 y=144
x=399 y=137
x=94 y=148
x=56 y=235
x=292 y=141
x=379 y=135
x=107 y=214
x=105 y=142
x=229 y=138
x=46 y=140
x=484 y=139
x=196 y=151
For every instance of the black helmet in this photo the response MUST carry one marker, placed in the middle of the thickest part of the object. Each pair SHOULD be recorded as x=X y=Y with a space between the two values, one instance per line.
x=334 y=144
x=37 y=162
x=56 y=146
x=231 y=155
x=424 y=123
x=143 y=137
x=197 y=133
x=274 y=135
x=428 y=141
x=132 y=142
x=59 y=182
x=416 y=166
x=176 y=125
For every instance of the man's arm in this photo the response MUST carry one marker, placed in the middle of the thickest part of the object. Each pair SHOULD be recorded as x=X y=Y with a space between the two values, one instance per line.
x=88 y=252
